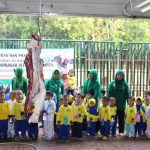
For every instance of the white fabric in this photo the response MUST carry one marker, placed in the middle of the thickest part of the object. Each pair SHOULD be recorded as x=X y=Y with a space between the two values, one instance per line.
x=148 y=130
x=10 y=102
x=49 y=107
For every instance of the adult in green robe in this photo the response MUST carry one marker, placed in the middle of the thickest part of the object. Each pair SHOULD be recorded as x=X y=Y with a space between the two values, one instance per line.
x=19 y=82
x=119 y=89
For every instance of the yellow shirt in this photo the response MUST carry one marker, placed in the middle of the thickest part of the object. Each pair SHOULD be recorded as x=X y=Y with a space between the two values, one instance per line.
x=65 y=115
x=18 y=107
x=130 y=113
x=4 y=111
x=113 y=110
x=72 y=82
x=78 y=110
x=104 y=113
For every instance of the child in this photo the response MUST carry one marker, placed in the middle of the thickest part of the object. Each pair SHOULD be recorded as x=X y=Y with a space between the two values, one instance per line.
x=78 y=113
x=130 y=116
x=139 y=117
x=11 y=131
x=4 y=113
x=113 y=112
x=104 y=118
x=92 y=117
x=64 y=119
x=48 y=116
x=148 y=121
x=32 y=127
x=19 y=116
x=71 y=82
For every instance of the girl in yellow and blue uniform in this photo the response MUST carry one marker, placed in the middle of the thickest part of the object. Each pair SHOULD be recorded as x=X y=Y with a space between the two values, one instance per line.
x=92 y=117
x=130 y=118
x=78 y=114
x=4 y=113
x=113 y=112
x=104 y=118
x=64 y=119
x=19 y=116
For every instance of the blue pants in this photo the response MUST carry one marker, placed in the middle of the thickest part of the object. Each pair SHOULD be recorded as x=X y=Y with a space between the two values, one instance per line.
x=33 y=130
x=20 y=125
x=138 y=128
x=144 y=127
x=3 y=128
x=91 y=129
x=104 y=128
x=76 y=130
x=64 y=132
x=114 y=125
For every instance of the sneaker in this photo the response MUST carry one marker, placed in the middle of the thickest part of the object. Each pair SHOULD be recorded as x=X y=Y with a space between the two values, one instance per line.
x=104 y=138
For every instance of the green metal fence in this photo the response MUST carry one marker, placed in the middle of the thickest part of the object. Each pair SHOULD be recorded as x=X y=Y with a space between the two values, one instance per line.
x=106 y=57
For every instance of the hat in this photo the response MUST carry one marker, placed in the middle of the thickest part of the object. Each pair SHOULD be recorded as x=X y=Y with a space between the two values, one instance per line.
x=92 y=100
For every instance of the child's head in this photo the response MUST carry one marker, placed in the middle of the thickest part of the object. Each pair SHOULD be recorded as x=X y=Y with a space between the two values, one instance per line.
x=92 y=102
x=105 y=101
x=12 y=95
x=90 y=94
x=138 y=101
x=65 y=100
x=146 y=94
x=147 y=101
x=61 y=101
x=112 y=101
x=49 y=95
x=71 y=73
x=2 y=95
x=78 y=98
x=19 y=95
x=131 y=101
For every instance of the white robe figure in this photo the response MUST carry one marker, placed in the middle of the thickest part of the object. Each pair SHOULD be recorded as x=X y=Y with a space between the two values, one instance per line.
x=147 y=116
x=49 y=107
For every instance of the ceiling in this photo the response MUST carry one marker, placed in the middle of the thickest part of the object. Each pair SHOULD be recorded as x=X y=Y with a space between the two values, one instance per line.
x=96 y=8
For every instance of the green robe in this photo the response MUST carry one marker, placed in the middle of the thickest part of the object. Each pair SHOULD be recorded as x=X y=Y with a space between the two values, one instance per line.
x=19 y=82
x=56 y=86
x=120 y=90
x=92 y=85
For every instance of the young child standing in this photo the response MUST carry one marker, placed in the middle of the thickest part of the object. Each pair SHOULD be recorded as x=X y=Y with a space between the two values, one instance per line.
x=104 y=118
x=130 y=116
x=64 y=119
x=113 y=112
x=19 y=116
x=78 y=113
x=92 y=117
x=71 y=82
x=4 y=113
x=48 y=116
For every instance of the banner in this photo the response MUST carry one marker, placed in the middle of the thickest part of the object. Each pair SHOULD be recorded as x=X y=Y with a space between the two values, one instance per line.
x=53 y=59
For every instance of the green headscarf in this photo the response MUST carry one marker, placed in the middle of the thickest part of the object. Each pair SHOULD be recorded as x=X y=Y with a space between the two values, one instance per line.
x=120 y=83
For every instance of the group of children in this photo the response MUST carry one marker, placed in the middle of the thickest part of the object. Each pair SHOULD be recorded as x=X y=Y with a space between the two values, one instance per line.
x=77 y=114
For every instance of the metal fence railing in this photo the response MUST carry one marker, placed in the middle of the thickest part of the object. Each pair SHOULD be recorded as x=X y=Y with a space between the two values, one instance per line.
x=106 y=57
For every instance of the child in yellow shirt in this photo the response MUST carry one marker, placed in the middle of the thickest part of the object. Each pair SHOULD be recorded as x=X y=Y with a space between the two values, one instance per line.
x=64 y=119
x=4 y=113
x=78 y=113
x=92 y=117
x=19 y=116
x=104 y=118
x=130 y=118
x=113 y=112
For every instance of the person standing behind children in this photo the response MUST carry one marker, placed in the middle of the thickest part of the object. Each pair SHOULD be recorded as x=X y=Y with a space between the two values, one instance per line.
x=19 y=116
x=4 y=113
x=78 y=113
x=147 y=116
x=71 y=82
x=113 y=112
x=64 y=119
x=139 y=117
x=104 y=118
x=92 y=117
x=130 y=116
x=11 y=131
x=48 y=116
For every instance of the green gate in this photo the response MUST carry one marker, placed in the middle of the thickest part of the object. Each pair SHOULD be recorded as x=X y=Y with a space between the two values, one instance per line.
x=106 y=57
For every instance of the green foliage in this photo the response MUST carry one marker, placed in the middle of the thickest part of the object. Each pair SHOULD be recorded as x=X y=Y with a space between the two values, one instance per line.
x=76 y=28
